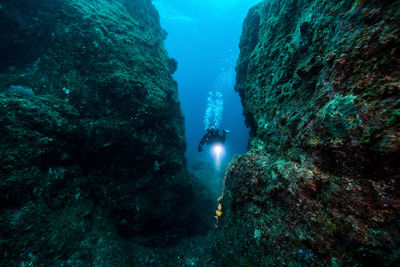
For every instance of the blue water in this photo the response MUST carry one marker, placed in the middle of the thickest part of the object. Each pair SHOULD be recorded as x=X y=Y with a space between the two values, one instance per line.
x=203 y=36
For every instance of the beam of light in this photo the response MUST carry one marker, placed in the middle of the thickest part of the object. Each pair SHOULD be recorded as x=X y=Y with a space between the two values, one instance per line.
x=217 y=153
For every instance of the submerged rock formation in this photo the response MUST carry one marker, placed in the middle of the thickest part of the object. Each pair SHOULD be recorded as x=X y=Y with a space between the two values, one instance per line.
x=319 y=83
x=92 y=136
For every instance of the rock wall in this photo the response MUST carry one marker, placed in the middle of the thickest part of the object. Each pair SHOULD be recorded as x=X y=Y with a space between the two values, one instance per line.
x=319 y=83
x=91 y=135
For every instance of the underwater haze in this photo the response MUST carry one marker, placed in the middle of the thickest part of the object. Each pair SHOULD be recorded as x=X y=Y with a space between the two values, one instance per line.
x=105 y=106
x=203 y=36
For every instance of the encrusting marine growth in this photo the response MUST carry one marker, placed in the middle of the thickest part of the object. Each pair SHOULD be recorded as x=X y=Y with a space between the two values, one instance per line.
x=319 y=186
x=88 y=109
x=92 y=142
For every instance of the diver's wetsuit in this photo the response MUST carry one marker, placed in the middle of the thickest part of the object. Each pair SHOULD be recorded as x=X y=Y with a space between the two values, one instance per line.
x=212 y=136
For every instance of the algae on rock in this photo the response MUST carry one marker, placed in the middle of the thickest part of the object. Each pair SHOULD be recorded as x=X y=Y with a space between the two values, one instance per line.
x=88 y=108
x=319 y=83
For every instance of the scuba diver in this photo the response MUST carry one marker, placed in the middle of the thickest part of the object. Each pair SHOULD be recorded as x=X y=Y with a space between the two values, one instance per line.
x=212 y=136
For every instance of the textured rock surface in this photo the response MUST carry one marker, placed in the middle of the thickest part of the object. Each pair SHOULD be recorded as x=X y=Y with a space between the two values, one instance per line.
x=92 y=136
x=320 y=86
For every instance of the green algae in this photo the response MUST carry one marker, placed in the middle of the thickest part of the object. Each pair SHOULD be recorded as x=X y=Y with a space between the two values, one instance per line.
x=88 y=112
x=337 y=115
x=319 y=87
x=393 y=118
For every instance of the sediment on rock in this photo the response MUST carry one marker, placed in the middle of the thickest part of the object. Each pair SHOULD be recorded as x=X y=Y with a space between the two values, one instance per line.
x=319 y=83
x=92 y=136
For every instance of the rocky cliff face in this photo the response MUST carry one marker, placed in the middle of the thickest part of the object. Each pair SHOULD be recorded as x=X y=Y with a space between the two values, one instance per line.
x=319 y=83
x=92 y=135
